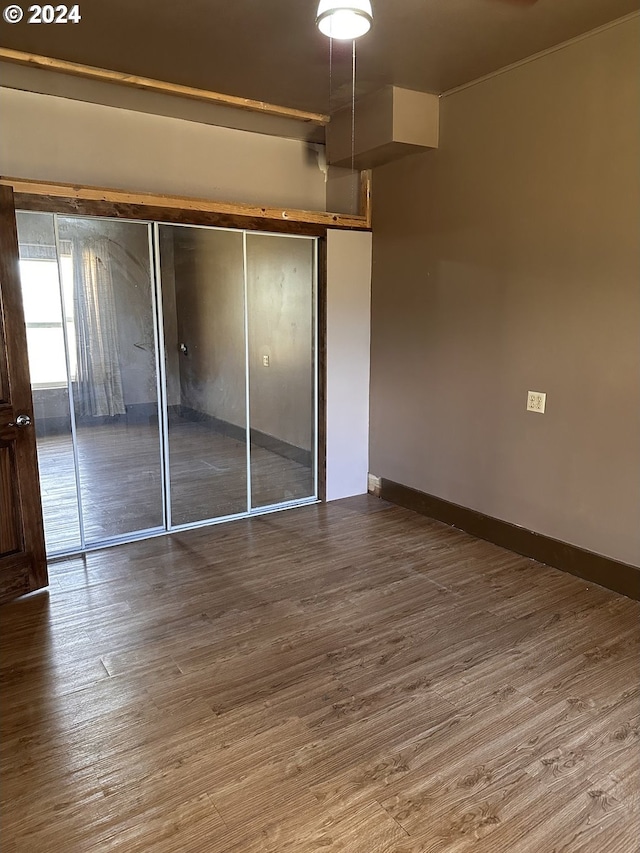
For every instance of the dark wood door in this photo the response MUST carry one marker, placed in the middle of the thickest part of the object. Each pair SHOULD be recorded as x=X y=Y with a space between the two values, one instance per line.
x=23 y=565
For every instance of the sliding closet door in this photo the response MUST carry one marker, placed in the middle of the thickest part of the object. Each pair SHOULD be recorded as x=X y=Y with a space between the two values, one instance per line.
x=204 y=325
x=48 y=328
x=173 y=371
x=111 y=331
x=281 y=350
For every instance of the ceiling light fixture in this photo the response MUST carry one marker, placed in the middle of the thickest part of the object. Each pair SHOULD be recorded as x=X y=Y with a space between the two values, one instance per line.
x=344 y=19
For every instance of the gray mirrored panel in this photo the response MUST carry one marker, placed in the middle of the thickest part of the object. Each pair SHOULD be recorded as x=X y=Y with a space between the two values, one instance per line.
x=203 y=306
x=47 y=329
x=281 y=323
x=108 y=294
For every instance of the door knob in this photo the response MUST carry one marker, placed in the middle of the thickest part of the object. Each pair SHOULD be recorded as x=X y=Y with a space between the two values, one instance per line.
x=21 y=422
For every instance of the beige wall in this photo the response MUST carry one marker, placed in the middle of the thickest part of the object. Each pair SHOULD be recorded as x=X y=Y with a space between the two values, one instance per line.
x=508 y=261
x=280 y=276
x=209 y=309
x=208 y=302
x=57 y=139
x=51 y=138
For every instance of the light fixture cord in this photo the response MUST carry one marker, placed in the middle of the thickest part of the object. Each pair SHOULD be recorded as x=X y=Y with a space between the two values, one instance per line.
x=353 y=127
x=330 y=72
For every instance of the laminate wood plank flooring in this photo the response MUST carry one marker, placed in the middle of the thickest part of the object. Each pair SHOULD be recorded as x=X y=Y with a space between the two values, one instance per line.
x=344 y=677
x=121 y=483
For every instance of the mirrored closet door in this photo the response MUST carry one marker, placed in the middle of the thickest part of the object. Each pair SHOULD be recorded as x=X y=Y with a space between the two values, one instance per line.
x=173 y=373
x=281 y=367
x=203 y=308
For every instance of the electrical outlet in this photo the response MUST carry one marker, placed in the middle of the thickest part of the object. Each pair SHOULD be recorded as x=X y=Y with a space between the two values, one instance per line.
x=536 y=401
x=265 y=361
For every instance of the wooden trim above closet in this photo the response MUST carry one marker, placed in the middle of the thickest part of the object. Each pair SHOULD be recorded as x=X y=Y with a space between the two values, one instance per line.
x=133 y=81
x=124 y=204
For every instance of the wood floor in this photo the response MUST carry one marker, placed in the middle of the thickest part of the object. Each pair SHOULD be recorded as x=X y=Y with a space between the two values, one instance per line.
x=346 y=677
x=121 y=482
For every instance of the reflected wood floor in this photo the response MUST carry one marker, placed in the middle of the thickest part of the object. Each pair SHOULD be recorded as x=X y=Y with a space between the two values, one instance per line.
x=121 y=482
x=343 y=677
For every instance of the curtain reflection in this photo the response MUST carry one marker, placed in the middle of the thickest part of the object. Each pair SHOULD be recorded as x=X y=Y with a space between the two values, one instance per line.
x=99 y=380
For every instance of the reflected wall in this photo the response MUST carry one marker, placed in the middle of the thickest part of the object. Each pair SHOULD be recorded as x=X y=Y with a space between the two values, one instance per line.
x=281 y=347
x=203 y=307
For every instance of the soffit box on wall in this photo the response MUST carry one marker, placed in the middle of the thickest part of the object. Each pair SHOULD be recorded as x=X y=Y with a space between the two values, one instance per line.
x=389 y=124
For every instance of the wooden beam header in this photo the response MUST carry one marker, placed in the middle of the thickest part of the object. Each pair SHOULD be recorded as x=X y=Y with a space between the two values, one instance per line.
x=125 y=200
x=118 y=78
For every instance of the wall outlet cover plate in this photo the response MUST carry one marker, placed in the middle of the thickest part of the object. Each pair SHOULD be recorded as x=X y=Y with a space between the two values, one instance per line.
x=536 y=401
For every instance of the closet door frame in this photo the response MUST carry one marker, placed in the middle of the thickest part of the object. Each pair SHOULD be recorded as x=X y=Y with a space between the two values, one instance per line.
x=155 y=215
